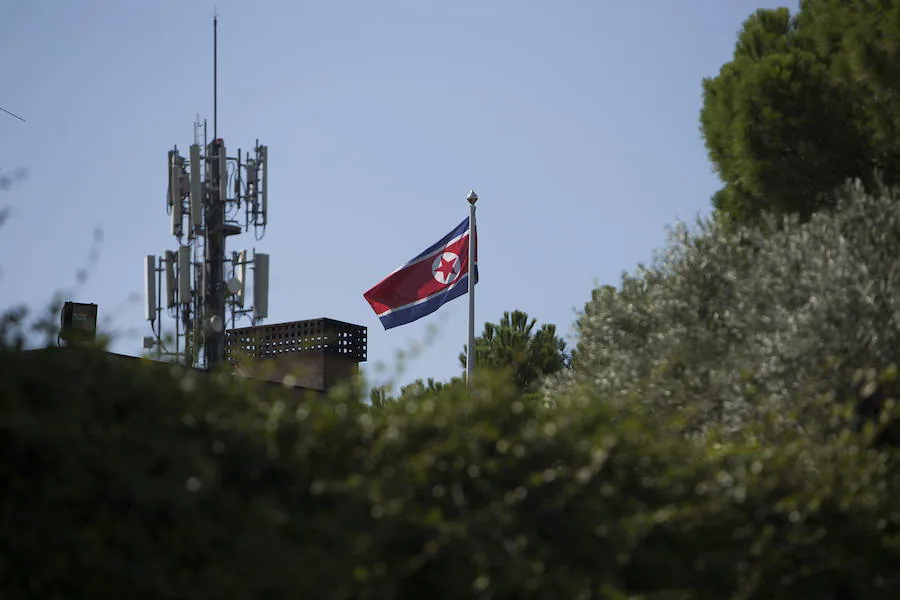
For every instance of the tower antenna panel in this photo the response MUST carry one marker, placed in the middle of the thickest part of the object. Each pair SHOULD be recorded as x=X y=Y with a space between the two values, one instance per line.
x=260 y=285
x=241 y=275
x=264 y=164
x=196 y=192
x=184 y=274
x=169 y=262
x=176 y=191
x=222 y=165
x=150 y=288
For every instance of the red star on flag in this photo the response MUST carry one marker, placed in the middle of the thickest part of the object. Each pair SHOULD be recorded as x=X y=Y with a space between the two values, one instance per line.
x=446 y=268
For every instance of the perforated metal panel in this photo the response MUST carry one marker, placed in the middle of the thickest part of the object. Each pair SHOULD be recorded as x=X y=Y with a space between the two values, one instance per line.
x=326 y=336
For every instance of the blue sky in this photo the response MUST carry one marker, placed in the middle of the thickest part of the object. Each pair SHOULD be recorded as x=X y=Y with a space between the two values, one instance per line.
x=575 y=121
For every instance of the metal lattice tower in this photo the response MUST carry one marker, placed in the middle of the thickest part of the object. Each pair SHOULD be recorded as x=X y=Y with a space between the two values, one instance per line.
x=211 y=197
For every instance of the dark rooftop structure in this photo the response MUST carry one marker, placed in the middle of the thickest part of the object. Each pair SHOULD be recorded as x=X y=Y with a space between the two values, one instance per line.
x=316 y=353
x=114 y=359
x=306 y=356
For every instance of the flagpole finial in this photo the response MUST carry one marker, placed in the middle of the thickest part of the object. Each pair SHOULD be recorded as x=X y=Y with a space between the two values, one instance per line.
x=472 y=198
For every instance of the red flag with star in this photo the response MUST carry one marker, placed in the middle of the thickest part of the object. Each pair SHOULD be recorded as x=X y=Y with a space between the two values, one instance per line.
x=424 y=284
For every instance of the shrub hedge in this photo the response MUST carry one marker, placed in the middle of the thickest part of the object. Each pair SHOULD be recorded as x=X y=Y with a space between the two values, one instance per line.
x=125 y=480
x=696 y=450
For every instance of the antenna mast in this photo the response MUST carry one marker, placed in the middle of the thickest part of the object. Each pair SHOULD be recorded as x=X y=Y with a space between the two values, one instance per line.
x=208 y=195
x=215 y=73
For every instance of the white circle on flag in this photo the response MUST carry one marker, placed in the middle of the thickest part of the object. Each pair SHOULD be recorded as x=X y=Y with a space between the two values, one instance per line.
x=445 y=268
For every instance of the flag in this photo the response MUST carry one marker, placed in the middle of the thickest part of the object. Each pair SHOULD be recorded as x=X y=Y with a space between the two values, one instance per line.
x=427 y=282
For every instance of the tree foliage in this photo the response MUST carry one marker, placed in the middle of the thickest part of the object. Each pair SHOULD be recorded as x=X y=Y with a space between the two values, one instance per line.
x=695 y=451
x=419 y=389
x=733 y=324
x=807 y=101
x=514 y=346
x=131 y=480
x=704 y=445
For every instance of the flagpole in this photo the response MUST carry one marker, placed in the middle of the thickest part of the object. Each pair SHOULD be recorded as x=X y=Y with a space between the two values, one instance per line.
x=470 y=355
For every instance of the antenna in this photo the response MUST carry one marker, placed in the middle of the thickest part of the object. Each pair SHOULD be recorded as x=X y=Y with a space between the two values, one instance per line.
x=207 y=189
x=215 y=73
x=260 y=285
x=197 y=130
x=241 y=276
x=150 y=287
x=184 y=274
x=195 y=214
x=222 y=166
x=176 y=191
x=170 y=278
x=263 y=156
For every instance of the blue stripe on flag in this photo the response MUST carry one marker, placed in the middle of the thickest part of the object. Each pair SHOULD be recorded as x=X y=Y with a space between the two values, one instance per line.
x=458 y=231
x=417 y=311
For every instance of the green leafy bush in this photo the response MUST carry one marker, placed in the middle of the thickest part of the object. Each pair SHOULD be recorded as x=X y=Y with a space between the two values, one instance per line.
x=128 y=479
x=695 y=451
x=737 y=323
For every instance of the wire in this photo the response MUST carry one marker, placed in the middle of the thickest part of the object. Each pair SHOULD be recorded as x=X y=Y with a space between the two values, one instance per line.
x=12 y=114
x=234 y=211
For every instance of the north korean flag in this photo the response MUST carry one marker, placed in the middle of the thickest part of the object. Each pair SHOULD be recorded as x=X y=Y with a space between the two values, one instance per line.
x=427 y=282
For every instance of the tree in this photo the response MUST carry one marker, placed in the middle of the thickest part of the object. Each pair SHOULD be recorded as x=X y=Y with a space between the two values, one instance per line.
x=379 y=397
x=125 y=478
x=419 y=389
x=729 y=324
x=804 y=105
x=514 y=345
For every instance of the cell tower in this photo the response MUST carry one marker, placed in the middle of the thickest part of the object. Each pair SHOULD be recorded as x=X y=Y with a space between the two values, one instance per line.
x=211 y=197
